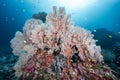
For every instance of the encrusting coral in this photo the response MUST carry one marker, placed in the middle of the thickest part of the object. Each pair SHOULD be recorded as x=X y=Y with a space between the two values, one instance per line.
x=58 y=50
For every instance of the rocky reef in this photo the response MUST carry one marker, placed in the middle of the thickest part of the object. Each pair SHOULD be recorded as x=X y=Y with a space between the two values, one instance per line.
x=7 y=63
x=40 y=15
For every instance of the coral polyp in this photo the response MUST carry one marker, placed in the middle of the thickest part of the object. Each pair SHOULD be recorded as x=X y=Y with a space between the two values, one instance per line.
x=58 y=50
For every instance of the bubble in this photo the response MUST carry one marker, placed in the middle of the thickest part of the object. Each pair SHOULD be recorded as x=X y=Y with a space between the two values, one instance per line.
x=4 y=4
x=22 y=1
x=6 y=18
x=23 y=10
x=12 y=18
x=17 y=9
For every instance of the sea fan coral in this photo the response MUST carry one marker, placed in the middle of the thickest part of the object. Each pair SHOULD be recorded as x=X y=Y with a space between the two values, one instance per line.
x=58 y=50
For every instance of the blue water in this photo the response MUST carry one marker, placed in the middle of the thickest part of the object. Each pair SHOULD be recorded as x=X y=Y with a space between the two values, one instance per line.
x=14 y=13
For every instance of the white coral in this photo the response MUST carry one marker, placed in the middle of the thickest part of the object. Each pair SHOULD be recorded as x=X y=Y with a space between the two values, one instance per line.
x=17 y=43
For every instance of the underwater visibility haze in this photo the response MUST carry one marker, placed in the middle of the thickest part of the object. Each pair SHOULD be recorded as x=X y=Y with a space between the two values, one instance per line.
x=60 y=39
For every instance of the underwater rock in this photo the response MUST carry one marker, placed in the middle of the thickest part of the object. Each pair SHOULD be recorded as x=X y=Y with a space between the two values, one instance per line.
x=108 y=55
x=118 y=60
x=116 y=50
x=41 y=16
x=58 y=50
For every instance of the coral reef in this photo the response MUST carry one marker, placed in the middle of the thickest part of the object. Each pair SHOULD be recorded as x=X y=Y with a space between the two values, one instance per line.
x=58 y=50
x=110 y=44
x=112 y=60
x=6 y=67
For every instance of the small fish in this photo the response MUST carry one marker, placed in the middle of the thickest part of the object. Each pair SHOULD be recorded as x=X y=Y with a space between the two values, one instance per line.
x=110 y=36
x=94 y=30
x=25 y=41
x=96 y=40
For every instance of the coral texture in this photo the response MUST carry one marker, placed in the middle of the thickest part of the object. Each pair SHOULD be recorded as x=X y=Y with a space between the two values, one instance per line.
x=58 y=50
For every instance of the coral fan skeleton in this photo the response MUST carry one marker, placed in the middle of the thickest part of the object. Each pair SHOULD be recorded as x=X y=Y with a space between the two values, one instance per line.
x=58 y=50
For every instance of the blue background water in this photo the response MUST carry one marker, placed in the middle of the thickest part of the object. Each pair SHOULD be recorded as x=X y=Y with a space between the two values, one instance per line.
x=14 y=13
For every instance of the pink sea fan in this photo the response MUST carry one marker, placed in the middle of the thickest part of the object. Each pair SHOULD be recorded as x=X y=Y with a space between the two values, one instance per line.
x=29 y=67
